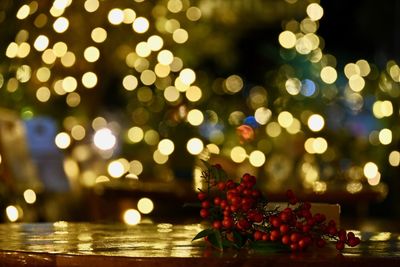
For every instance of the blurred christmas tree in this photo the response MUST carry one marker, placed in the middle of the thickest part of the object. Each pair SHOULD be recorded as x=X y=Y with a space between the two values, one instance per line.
x=140 y=88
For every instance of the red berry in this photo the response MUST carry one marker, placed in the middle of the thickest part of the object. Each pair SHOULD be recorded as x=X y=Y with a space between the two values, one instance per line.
x=332 y=230
x=284 y=228
x=353 y=241
x=302 y=244
x=201 y=196
x=276 y=222
x=265 y=237
x=243 y=224
x=221 y=186
x=223 y=204
x=218 y=166
x=294 y=247
x=306 y=228
x=217 y=225
x=256 y=193
x=258 y=235
x=285 y=240
x=290 y=194
x=274 y=235
x=295 y=237
x=217 y=201
x=342 y=235
x=204 y=213
x=205 y=204
x=227 y=223
x=350 y=235
x=339 y=245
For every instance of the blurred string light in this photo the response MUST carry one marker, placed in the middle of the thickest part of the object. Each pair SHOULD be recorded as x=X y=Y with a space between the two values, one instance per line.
x=155 y=78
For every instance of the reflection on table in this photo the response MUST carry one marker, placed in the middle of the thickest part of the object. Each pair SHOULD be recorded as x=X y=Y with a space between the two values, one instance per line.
x=81 y=244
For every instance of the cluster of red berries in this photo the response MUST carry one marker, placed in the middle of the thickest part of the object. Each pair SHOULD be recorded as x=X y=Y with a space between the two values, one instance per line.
x=240 y=208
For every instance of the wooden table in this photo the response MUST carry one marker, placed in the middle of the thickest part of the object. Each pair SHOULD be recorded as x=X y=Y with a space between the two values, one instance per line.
x=166 y=245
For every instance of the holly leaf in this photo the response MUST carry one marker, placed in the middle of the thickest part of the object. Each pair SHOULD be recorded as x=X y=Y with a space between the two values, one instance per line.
x=215 y=240
x=239 y=240
x=203 y=233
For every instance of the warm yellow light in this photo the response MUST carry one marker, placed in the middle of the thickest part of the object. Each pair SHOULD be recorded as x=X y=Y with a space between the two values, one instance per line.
x=320 y=145
x=116 y=169
x=309 y=145
x=315 y=11
x=91 y=54
x=159 y=158
x=151 y=137
x=13 y=213
x=23 y=50
x=12 y=50
x=382 y=109
x=48 y=56
x=187 y=76
x=99 y=35
x=351 y=69
x=195 y=117
x=78 y=132
x=155 y=42
x=257 y=158
x=285 y=119
x=69 y=84
x=116 y=16
x=195 y=146
x=273 y=129
x=328 y=75
x=59 y=49
x=104 y=139
x=73 y=99
x=171 y=94
x=175 y=6
x=193 y=93
x=61 y=24
x=238 y=154
x=375 y=180
x=316 y=122
x=68 y=60
x=293 y=86
x=135 y=167
x=43 y=74
x=23 y=12
x=180 y=36
x=356 y=83
x=129 y=16
x=394 y=158
x=145 y=205
x=140 y=25
x=143 y=49
x=91 y=5
x=166 y=147
x=364 y=67
x=370 y=170
x=148 y=77
x=130 y=82
x=89 y=79
x=165 y=57
x=287 y=39
x=233 y=84
x=161 y=70
x=62 y=140
x=43 y=94
x=132 y=217
x=135 y=134
x=193 y=13
x=385 y=136
x=295 y=127
x=41 y=43
x=29 y=196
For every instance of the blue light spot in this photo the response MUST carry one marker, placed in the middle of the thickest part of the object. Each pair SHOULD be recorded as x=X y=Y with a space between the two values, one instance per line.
x=308 y=87
x=251 y=121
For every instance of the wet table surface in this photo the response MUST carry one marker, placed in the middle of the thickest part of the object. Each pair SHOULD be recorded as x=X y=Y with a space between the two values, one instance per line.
x=148 y=245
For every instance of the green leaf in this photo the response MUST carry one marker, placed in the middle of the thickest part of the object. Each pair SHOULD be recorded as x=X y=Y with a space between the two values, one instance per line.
x=215 y=240
x=239 y=240
x=204 y=233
